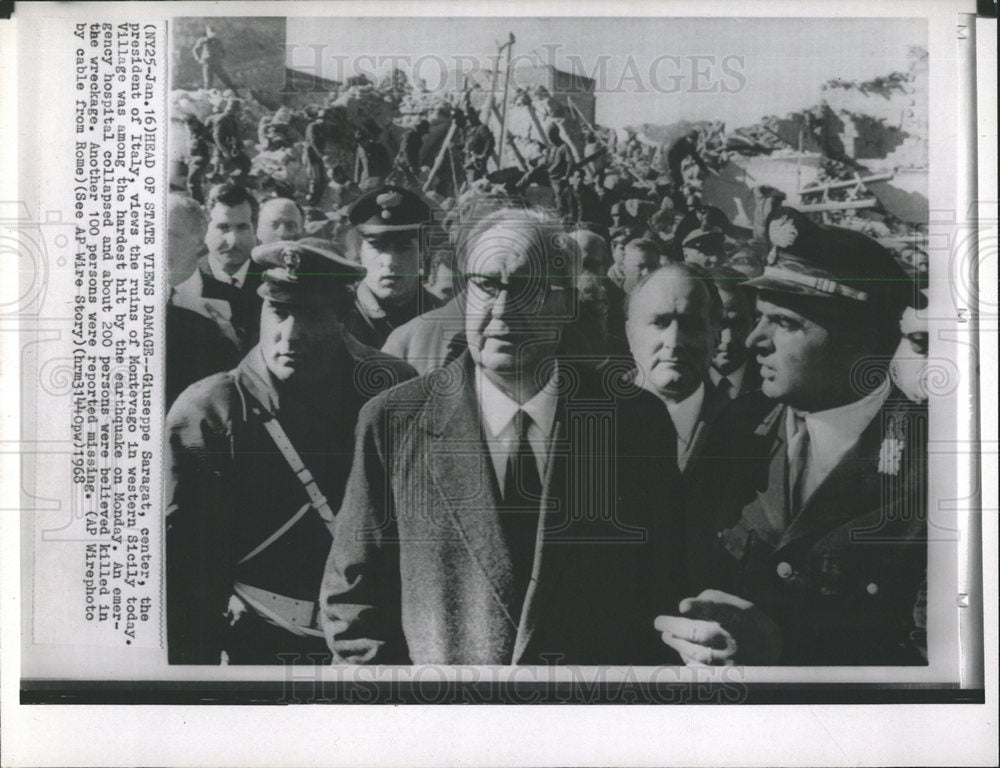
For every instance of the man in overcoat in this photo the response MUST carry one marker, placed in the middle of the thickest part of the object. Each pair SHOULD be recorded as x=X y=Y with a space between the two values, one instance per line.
x=512 y=507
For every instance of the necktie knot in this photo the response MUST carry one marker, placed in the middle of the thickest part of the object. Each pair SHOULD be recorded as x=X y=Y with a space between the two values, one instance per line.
x=522 y=421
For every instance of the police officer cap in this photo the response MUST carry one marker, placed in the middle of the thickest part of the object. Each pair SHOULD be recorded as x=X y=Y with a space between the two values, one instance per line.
x=389 y=209
x=827 y=262
x=303 y=272
x=624 y=233
x=709 y=242
x=704 y=219
x=738 y=268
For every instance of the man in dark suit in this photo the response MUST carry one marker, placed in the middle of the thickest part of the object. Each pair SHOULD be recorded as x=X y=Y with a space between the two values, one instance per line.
x=673 y=317
x=224 y=275
x=732 y=372
x=814 y=547
x=258 y=458
x=511 y=507
x=200 y=342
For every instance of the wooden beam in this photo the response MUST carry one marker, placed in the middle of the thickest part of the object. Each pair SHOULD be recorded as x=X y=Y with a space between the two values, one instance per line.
x=846 y=206
x=846 y=184
x=445 y=146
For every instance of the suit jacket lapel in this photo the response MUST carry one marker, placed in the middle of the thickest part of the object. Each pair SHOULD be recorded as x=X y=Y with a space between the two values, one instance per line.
x=549 y=557
x=460 y=462
x=711 y=406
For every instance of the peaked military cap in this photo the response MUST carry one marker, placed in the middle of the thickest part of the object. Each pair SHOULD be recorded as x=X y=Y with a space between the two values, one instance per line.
x=738 y=268
x=700 y=221
x=706 y=241
x=810 y=259
x=303 y=272
x=389 y=209
x=624 y=233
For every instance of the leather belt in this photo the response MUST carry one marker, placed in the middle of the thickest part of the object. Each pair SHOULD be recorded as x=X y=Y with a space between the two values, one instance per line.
x=296 y=616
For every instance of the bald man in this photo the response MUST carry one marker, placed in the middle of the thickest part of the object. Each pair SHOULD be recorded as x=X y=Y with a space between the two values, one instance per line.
x=279 y=219
x=673 y=319
x=200 y=340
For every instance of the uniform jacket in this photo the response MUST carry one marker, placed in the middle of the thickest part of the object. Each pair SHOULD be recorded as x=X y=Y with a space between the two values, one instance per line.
x=843 y=577
x=419 y=571
x=229 y=488
x=371 y=323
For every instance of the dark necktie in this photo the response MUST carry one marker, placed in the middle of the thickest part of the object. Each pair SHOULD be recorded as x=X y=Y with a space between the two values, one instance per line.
x=798 y=455
x=725 y=388
x=522 y=494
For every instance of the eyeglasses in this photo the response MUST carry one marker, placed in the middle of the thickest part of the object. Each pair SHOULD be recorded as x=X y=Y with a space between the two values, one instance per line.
x=519 y=288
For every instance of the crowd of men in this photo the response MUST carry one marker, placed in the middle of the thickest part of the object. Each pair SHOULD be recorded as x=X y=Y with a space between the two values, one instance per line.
x=543 y=421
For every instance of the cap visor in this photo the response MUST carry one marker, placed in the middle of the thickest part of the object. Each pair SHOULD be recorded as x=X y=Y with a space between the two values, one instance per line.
x=377 y=229
x=776 y=285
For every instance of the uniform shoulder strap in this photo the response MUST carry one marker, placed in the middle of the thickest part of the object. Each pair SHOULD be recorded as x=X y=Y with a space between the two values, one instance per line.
x=284 y=445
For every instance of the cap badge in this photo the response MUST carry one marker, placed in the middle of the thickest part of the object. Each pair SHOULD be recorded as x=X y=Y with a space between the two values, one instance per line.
x=292 y=261
x=389 y=199
x=782 y=232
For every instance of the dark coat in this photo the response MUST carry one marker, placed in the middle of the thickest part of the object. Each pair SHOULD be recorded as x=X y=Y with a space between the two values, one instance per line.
x=196 y=348
x=431 y=340
x=370 y=322
x=712 y=406
x=225 y=129
x=843 y=578
x=244 y=302
x=229 y=488
x=583 y=206
x=419 y=571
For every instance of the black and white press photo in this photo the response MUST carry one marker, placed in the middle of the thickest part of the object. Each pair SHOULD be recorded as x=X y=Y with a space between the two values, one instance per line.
x=450 y=353
x=591 y=347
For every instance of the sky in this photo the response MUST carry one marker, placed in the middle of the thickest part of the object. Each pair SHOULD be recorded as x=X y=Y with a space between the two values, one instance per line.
x=650 y=70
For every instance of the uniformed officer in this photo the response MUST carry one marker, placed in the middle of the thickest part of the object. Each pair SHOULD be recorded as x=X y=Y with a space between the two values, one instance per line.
x=813 y=546
x=258 y=461
x=701 y=236
x=389 y=221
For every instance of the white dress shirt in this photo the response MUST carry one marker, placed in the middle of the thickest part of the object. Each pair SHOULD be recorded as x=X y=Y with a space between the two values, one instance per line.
x=684 y=414
x=735 y=379
x=832 y=433
x=498 y=410
x=237 y=278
